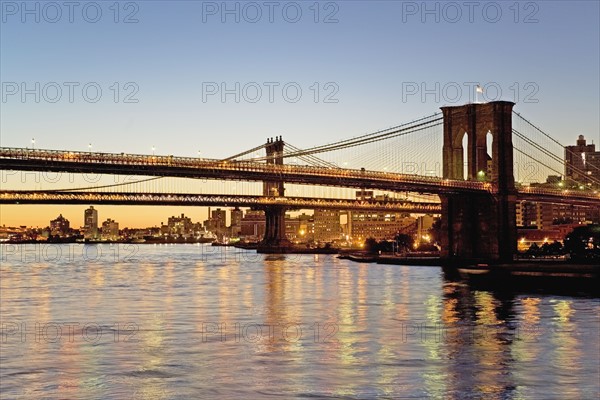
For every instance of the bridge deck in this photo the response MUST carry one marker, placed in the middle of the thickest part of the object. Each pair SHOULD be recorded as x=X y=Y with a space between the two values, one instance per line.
x=154 y=165
x=49 y=197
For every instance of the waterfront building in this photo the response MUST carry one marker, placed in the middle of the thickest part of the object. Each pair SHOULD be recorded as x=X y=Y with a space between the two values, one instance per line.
x=327 y=226
x=306 y=228
x=60 y=226
x=424 y=224
x=582 y=163
x=181 y=225
x=292 y=228
x=236 y=222
x=253 y=225
x=110 y=230
x=361 y=225
x=90 y=223
x=379 y=225
x=536 y=215
x=526 y=214
x=216 y=222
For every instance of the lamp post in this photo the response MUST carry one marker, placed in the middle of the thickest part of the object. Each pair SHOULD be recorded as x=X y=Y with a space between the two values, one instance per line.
x=481 y=175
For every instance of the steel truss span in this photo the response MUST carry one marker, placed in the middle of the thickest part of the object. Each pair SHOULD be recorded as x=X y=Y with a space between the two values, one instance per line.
x=189 y=167
x=49 y=197
x=154 y=165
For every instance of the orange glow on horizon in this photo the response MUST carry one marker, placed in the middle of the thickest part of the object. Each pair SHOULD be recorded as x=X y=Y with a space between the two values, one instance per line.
x=39 y=215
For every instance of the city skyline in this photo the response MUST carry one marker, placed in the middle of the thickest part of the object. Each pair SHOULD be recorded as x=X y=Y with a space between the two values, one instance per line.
x=224 y=225
x=119 y=213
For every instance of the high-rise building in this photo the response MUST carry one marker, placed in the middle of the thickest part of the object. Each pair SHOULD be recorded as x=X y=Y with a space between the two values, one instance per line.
x=216 y=222
x=253 y=225
x=292 y=228
x=379 y=225
x=181 y=225
x=306 y=227
x=60 y=226
x=90 y=223
x=424 y=224
x=362 y=225
x=218 y=219
x=110 y=230
x=526 y=213
x=546 y=215
x=236 y=222
x=582 y=163
x=327 y=225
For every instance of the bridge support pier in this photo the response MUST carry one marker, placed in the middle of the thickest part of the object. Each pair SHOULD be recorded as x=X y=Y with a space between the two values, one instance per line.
x=275 y=240
x=479 y=226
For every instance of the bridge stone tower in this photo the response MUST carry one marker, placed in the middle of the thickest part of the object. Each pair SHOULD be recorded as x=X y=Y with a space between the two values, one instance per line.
x=274 y=240
x=274 y=150
x=479 y=226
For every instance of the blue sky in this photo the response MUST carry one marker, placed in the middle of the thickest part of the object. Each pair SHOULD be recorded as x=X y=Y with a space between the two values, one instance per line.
x=369 y=54
x=548 y=53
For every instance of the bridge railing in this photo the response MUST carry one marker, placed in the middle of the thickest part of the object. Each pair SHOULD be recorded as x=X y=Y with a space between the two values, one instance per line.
x=591 y=194
x=291 y=202
x=212 y=164
x=219 y=165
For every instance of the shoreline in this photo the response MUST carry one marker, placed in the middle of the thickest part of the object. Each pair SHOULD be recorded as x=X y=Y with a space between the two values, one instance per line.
x=559 y=268
x=559 y=271
x=108 y=242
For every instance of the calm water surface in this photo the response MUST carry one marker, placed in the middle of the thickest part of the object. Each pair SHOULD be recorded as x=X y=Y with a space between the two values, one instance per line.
x=186 y=321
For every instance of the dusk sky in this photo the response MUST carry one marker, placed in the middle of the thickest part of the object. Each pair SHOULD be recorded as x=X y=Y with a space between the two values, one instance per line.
x=366 y=59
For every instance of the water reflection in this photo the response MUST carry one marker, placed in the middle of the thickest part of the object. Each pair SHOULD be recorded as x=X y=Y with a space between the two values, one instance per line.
x=188 y=322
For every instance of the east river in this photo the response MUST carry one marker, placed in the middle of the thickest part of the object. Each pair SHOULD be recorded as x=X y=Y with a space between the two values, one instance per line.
x=195 y=321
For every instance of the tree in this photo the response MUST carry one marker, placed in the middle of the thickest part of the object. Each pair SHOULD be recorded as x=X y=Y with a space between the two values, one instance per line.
x=584 y=242
x=551 y=248
x=385 y=246
x=435 y=231
x=371 y=245
x=426 y=247
x=534 y=249
x=404 y=241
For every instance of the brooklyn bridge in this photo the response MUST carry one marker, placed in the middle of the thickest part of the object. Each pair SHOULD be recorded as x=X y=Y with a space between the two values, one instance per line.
x=471 y=164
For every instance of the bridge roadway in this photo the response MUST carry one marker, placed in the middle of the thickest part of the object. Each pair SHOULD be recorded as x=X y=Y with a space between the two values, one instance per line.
x=189 y=167
x=297 y=203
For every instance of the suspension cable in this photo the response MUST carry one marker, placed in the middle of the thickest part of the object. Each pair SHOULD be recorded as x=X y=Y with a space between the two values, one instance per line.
x=549 y=137
x=551 y=155
x=262 y=146
x=359 y=141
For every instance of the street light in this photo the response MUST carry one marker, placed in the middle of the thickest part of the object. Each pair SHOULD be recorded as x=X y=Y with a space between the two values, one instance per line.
x=90 y=147
x=33 y=143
